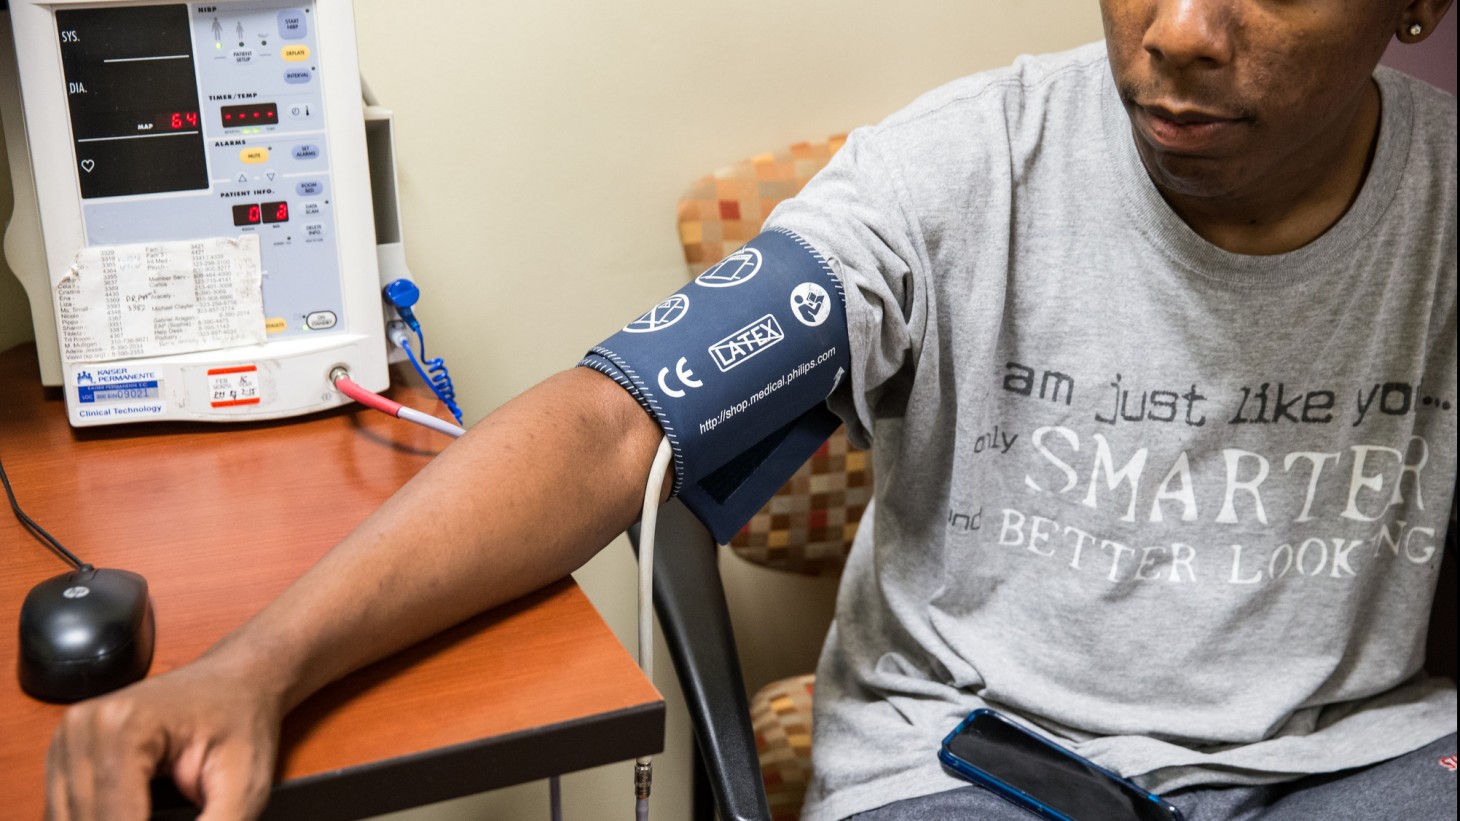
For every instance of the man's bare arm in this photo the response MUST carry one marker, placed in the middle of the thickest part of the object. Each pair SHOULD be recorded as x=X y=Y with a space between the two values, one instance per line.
x=526 y=497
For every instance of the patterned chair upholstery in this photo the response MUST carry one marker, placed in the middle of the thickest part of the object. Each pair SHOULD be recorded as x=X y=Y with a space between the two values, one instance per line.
x=809 y=524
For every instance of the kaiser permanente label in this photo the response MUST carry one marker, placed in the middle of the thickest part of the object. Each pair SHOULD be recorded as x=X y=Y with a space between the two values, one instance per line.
x=117 y=392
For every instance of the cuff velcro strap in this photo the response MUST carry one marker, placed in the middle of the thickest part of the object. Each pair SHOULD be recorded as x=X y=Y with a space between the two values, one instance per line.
x=736 y=367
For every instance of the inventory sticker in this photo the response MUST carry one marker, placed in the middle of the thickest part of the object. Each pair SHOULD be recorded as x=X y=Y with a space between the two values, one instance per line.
x=118 y=392
x=151 y=299
x=231 y=387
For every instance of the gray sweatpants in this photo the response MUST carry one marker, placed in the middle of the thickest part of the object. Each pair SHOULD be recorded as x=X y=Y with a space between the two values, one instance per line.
x=1415 y=787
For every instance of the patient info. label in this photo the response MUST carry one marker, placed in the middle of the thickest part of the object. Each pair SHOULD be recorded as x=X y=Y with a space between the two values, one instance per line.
x=153 y=299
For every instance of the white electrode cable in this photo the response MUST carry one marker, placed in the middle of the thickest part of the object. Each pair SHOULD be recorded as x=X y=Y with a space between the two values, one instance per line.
x=648 y=520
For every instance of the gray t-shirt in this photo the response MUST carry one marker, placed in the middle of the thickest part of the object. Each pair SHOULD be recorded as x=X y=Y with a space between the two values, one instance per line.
x=1180 y=509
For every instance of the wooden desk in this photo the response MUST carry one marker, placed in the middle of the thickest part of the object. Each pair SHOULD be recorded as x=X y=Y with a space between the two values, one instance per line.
x=219 y=519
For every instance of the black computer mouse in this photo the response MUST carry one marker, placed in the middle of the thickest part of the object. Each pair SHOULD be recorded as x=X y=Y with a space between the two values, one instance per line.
x=85 y=633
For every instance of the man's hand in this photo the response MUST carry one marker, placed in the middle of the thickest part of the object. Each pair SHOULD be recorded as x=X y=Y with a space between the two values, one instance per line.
x=214 y=730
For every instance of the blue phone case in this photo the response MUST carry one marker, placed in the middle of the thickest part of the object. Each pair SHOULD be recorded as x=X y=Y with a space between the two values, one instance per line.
x=1023 y=798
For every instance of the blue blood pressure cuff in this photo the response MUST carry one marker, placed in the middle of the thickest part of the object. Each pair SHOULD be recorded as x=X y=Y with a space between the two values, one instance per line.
x=736 y=367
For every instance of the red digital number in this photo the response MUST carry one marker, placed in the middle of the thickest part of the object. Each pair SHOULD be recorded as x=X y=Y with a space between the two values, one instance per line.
x=276 y=211
x=176 y=121
x=246 y=214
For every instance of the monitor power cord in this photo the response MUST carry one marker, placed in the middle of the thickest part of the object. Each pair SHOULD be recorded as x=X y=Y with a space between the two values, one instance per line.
x=36 y=528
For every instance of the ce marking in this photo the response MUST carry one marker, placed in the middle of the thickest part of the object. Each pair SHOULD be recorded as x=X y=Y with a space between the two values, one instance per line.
x=685 y=375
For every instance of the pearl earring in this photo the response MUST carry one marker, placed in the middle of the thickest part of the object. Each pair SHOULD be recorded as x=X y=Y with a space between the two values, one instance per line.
x=1415 y=30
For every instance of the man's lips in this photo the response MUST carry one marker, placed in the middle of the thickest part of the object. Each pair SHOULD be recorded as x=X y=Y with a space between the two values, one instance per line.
x=1186 y=130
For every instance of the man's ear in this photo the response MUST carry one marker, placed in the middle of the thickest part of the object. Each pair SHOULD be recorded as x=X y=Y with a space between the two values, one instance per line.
x=1420 y=18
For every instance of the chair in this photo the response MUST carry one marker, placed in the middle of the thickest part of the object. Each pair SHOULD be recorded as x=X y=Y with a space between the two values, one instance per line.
x=758 y=751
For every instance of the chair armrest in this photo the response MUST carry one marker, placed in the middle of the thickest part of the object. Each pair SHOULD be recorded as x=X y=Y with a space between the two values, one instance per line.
x=1440 y=647
x=690 y=601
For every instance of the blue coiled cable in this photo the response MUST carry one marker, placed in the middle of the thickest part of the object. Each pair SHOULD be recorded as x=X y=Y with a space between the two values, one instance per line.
x=435 y=374
x=403 y=293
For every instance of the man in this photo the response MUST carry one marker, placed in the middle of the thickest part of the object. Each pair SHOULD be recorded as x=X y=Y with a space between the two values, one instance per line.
x=1206 y=293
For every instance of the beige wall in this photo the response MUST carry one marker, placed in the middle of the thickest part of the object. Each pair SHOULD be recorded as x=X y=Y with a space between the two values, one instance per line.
x=541 y=149
x=14 y=310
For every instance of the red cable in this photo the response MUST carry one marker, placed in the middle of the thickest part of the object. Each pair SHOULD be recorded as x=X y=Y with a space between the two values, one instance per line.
x=375 y=401
x=369 y=399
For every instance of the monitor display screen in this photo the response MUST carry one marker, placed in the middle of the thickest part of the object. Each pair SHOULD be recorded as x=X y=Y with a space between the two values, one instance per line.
x=132 y=93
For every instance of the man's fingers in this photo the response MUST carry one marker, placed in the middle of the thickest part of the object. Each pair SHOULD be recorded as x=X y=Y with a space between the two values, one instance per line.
x=69 y=770
x=57 y=801
x=235 y=781
x=187 y=772
x=218 y=740
x=83 y=785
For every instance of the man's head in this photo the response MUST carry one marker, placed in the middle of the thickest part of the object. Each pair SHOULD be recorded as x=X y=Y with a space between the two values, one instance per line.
x=1232 y=97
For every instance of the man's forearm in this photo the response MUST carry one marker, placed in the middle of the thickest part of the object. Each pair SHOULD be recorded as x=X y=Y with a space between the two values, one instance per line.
x=526 y=497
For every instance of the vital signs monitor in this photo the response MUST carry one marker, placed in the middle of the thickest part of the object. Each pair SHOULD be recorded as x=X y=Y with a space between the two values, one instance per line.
x=193 y=220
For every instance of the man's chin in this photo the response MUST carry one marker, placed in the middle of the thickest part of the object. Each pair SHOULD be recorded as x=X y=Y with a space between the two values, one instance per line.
x=1191 y=176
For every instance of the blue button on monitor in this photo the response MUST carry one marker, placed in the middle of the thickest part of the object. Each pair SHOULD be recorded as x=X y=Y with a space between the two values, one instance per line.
x=297 y=76
x=292 y=25
x=308 y=188
x=306 y=152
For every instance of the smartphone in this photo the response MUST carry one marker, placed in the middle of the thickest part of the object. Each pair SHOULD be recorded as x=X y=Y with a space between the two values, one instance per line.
x=1039 y=775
